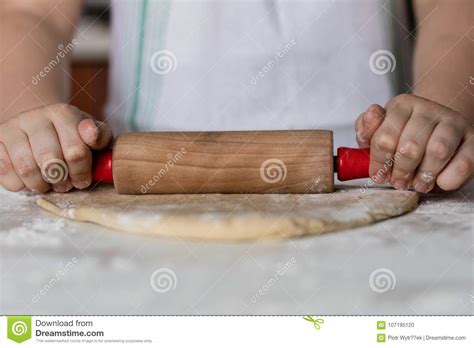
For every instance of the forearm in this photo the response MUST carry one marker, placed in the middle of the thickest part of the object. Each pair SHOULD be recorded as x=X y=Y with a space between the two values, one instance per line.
x=30 y=71
x=444 y=56
x=442 y=73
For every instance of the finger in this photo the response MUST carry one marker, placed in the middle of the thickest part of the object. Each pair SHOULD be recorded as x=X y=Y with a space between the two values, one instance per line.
x=385 y=141
x=368 y=123
x=440 y=149
x=97 y=135
x=8 y=178
x=361 y=141
x=460 y=168
x=48 y=155
x=18 y=148
x=76 y=154
x=410 y=151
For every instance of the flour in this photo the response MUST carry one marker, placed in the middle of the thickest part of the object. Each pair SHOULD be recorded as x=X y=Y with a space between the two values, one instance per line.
x=40 y=231
x=318 y=185
x=427 y=177
x=18 y=201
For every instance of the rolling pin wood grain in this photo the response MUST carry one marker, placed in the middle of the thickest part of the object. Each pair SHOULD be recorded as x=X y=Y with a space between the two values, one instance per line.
x=224 y=162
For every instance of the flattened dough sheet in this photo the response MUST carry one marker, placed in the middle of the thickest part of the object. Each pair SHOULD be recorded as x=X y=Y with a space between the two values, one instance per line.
x=231 y=216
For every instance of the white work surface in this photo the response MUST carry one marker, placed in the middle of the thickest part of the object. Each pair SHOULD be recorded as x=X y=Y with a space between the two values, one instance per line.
x=429 y=252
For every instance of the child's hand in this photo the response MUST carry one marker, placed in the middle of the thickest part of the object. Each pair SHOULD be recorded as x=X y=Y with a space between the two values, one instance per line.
x=427 y=142
x=58 y=132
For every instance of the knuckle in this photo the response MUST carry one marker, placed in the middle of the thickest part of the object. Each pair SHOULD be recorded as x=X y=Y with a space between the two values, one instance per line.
x=399 y=101
x=385 y=141
x=45 y=155
x=60 y=109
x=26 y=168
x=439 y=149
x=412 y=150
x=55 y=110
x=404 y=97
x=76 y=154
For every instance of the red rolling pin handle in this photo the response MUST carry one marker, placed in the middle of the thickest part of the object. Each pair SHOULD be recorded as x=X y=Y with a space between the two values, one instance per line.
x=102 y=168
x=352 y=163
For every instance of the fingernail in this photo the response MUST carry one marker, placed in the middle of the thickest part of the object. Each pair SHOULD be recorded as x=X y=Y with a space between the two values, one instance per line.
x=81 y=184
x=426 y=177
x=92 y=133
x=421 y=187
x=63 y=187
x=400 y=184
x=370 y=108
x=366 y=119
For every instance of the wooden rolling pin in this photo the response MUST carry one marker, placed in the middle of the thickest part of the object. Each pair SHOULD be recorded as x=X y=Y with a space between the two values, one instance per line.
x=228 y=162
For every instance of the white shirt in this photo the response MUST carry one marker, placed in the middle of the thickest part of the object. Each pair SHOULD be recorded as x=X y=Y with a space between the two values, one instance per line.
x=247 y=65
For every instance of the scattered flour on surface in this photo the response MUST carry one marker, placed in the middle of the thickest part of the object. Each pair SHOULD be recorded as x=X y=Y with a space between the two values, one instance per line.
x=40 y=231
x=19 y=201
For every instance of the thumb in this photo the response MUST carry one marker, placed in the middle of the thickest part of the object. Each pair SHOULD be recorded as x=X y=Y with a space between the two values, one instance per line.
x=367 y=123
x=95 y=134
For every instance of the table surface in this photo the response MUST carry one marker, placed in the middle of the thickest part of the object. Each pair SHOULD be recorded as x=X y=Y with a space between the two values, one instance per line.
x=50 y=265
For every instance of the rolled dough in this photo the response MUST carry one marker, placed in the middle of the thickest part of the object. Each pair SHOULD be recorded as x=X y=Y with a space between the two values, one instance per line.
x=231 y=216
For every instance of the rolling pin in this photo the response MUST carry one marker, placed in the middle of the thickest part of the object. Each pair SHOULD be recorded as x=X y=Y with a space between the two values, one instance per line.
x=228 y=162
